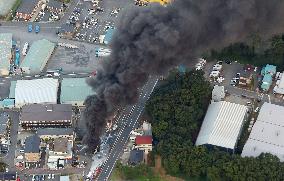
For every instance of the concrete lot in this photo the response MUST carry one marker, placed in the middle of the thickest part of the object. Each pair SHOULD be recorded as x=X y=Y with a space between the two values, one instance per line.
x=81 y=60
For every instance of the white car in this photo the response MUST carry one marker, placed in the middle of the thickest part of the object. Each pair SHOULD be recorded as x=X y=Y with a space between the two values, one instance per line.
x=256 y=109
x=25 y=49
x=52 y=176
x=49 y=176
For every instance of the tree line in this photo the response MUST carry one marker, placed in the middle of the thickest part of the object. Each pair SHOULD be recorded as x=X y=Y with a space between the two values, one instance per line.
x=177 y=108
x=255 y=51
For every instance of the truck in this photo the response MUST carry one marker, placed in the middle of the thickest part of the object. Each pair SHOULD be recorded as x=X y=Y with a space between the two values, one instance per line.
x=17 y=57
x=102 y=52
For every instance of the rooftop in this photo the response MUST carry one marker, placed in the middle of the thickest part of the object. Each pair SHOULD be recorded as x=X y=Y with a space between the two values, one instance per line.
x=37 y=56
x=5 y=50
x=108 y=35
x=136 y=156
x=36 y=91
x=32 y=144
x=218 y=93
x=4 y=118
x=27 y=6
x=12 y=89
x=54 y=131
x=267 y=133
x=49 y=112
x=61 y=145
x=74 y=89
x=222 y=124
x=141 y=140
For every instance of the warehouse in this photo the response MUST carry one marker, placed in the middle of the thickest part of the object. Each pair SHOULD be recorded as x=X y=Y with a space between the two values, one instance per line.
x=5 y=53
x=36 y=91
x=36 y=116
x=37 y=57
x=267 y=133
x=222 y=125
x=74 y=91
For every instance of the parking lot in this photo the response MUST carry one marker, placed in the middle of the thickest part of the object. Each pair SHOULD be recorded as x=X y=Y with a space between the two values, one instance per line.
x=81 y=60
x=95 y=20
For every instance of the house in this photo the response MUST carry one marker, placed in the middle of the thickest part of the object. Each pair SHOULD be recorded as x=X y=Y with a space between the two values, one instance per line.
x=143 y=143
x=62 y=150
x=136 y=157
x=267 y=133
x=36 y=116
x=54 y=6
x=27 y=9
x=218 y=93
x=54 y=133
x=4 y=127
x=222 y=125
x=32 y=151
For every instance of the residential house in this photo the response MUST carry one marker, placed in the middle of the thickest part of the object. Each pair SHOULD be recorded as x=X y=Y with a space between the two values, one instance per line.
x=36 y=116
x=27 y=9
x=32 y=151
x=143 y=143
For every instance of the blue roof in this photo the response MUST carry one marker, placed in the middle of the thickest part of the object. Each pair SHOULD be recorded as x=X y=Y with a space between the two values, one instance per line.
x=266 y=82
x=269 y=69
x=108 y=35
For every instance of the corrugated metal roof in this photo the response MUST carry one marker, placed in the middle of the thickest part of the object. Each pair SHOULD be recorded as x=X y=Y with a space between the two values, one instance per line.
x=5 y=50
x=267 y=134
x=222 y=124
x=12 y=89
x=74 y=90
x=36 y=91
x=37 y=56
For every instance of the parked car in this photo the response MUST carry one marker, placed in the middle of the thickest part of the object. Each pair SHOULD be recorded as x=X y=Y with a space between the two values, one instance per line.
x=256 y=109
x=30 y=28
x=37 y=28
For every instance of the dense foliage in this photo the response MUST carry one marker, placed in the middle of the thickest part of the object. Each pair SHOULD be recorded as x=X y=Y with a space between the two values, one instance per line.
x=257 y=52
x=177 y=108
x=138 y=173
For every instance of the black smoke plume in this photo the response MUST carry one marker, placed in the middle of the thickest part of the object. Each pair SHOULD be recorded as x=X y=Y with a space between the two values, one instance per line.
x=152 y=40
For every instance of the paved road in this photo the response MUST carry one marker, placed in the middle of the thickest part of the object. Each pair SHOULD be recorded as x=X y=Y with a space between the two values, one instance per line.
x=130 y=118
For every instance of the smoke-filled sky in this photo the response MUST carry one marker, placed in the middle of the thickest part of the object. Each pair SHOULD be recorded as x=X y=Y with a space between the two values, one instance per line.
x=151 y=40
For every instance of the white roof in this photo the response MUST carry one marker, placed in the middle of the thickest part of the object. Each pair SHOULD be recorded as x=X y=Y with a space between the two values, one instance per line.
x=222 y=124
x=64 y=178
x=36 y=91
x=218 y=93
x=267 y=134
x=280 y=87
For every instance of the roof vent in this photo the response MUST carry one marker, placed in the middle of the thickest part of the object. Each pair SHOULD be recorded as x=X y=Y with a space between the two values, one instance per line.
x=48 y=108
x=277 y=133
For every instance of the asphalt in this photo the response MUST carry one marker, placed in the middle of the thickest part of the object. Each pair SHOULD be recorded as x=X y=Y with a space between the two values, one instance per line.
x=130 y=119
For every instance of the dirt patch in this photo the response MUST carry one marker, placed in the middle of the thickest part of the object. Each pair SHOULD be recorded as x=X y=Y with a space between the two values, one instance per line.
x=158 y=169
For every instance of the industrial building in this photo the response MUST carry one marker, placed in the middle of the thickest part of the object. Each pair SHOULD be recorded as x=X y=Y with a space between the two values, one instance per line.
x=36 y=116
x=5 y=53
x=222 y=125
x=37 y=57
x=267 y=133
x=36 y=91
x=279 y=88
x=74 y=91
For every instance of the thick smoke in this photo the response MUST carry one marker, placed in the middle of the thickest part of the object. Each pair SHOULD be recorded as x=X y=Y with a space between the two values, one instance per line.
x=151 y=40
